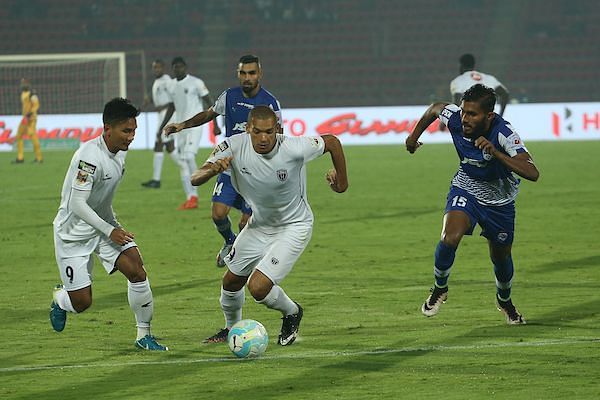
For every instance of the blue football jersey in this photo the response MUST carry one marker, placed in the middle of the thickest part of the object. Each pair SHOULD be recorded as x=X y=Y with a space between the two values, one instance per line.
x=480 y=174
x=235 y=107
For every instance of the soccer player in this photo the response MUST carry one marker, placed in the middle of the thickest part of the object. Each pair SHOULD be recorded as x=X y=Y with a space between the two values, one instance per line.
x=86 y=224
x=161 y=100
x=30 y=106
x=469 y=77
x=235 y=104
x=267 y=168
x=482 y=191
x=188 y=94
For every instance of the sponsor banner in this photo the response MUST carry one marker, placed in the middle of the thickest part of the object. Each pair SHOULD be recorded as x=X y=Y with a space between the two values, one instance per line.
x=353 y=125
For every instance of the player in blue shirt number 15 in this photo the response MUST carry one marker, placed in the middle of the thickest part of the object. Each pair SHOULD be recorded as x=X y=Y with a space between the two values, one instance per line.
x=483 y=191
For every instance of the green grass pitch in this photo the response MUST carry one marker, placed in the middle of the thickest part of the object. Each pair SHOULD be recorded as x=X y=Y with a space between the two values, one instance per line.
x=361 y=281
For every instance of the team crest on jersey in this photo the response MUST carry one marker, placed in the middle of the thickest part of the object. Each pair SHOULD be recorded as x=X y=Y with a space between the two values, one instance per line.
x=282 y=174
x=487 y=156
x=82 y=177
x=274 y=261
x=86 y=167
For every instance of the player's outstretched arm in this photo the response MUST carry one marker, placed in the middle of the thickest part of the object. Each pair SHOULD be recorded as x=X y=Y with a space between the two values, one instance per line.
x=412 y=141
x=337 y=177
x=208 y=170
x=197 y=120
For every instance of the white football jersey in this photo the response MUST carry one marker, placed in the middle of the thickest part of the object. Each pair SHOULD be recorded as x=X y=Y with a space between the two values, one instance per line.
x=93 y=168
x=461 y=83
x=160 y=94
x=186 y=95
x=160 y=90
x=274 y=184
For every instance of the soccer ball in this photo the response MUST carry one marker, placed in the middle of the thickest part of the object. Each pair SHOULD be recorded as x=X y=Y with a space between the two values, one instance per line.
x=248 y=338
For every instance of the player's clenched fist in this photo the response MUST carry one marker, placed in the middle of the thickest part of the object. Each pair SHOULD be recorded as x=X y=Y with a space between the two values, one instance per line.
x=172 y=128
x=335 y=185
x=221 y=165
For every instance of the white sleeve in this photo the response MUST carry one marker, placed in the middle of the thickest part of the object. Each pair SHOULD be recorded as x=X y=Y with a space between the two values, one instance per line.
x=78 y=204
x=306 y=147
x=492 y=82
x=222 y=150
x=448 y=112
x=511 y=142
x=201 y=87
x=219 y=106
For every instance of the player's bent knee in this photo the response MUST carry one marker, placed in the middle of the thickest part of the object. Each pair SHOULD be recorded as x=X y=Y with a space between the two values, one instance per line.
x=451 y=239
x=232 y=282
x=259 y=285
x=80 y=304
x=258 y=291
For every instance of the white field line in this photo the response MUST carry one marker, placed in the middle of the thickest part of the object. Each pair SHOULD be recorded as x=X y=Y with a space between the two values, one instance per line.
x=332 y=354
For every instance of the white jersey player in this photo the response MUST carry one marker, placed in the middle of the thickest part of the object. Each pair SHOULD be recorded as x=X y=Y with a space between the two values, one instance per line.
x=267 y=169
x=469 y=77
x=86 y=224
x=189 y=95
x=161 y=100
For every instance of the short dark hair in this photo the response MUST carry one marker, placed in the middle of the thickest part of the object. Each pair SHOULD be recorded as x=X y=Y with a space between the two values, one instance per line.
x=485 y=96
x=159 y=61
x=249 y=59
x=467 y=60
x=118 y=110
x=178 y=60
x=262 y=112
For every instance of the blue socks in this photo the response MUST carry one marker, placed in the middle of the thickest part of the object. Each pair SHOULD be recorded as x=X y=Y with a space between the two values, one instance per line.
x=224 y=228
x=504 y=270
x=444 y=258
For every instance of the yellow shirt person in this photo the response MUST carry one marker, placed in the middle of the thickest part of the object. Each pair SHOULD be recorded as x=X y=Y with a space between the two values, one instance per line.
x=31 y=105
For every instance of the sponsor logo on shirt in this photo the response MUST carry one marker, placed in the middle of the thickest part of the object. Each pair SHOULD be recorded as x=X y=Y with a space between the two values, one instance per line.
x=248 y=106
x=240 y=127
x=86 y=167
x=282 y=174
x=477 y=163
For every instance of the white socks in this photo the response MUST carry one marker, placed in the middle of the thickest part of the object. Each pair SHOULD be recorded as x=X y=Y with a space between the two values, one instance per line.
x=278 y=300
x=157 y=165
x=61 y=297
x=187 y=166
x=231 y=304
x=141 y=302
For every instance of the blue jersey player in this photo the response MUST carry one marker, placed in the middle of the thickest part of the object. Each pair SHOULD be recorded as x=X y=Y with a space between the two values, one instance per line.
x=483 y=190
x=234 y=104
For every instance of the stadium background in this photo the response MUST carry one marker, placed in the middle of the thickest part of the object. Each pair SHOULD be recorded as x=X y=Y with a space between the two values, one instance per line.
x=325 y=54
x=368 y=267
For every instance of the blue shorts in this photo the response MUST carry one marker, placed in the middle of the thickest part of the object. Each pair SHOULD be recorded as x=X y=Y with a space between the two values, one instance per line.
x=497 y=222
x=226 y=194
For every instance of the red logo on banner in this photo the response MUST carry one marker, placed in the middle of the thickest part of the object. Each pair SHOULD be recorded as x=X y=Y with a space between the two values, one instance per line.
x=349 y=123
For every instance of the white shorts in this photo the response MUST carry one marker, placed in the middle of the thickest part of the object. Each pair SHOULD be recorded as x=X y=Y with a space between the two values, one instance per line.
x=75 y=262
x=188 y=140
x=273 y=253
